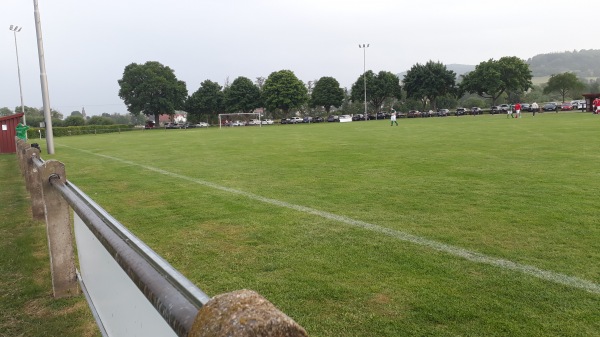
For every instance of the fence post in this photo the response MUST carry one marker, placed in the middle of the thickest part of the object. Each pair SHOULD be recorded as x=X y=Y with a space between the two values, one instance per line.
x=243 y=313
x=22 y=157
x=58 y=229
x=22 y=146
x=34 y=183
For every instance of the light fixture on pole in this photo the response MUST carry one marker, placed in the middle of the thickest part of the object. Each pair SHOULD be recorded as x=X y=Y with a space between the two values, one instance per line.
x=364 y=48
x=15 y=30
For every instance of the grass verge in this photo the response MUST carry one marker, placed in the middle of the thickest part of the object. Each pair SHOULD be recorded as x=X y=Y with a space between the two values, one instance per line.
x=26 y=304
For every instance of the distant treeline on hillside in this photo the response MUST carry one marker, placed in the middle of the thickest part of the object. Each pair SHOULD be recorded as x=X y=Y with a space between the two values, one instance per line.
x=584 y=63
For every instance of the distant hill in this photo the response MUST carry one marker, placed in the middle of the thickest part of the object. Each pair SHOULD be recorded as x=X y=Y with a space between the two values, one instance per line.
x=584 y=63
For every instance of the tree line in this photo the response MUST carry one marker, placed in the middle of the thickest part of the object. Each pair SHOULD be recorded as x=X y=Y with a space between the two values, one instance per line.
x=35 y=116
x=152 y=89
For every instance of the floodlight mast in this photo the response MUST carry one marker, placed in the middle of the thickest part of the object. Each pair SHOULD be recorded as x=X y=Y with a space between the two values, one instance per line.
x=43 y=80
x=15 y=30
x=364 y=48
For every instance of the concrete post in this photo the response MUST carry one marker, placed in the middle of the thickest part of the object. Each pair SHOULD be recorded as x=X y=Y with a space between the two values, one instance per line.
x=58 y=228
x=22 y=157
x=34 y=184
x=243 y=313
x=22 y=146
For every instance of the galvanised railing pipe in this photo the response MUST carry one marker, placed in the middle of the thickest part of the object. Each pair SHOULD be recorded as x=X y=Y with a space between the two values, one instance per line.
x=175 y=298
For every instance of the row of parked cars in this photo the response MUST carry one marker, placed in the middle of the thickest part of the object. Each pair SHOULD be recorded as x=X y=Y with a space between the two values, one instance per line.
x=186 y=125
x=336 y=118
x=550 y=106
x=248 y=123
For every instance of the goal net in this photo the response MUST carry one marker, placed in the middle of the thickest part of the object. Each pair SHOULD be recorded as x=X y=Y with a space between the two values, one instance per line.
x=239 y=119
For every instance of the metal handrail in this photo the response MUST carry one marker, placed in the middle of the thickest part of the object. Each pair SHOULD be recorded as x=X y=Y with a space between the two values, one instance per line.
x=174 y=297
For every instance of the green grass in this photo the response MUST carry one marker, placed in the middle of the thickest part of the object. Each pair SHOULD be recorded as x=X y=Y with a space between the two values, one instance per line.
x=524 y=190
x=27 y=307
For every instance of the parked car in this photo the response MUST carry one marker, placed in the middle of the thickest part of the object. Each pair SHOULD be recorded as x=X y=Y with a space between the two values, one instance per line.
x=201 y=125
x=459 y=112
x=284 y=121
x=295 y=120
x=503 y=108
x=149 y=125
x=307 y=119
x=580 y=104
x=171 y=126
x=475 y=111
x=333 y=118
x=551 y=106
x=525 y=107
x=267 y=122
x=358 y=117
x=345 y=118
x=413 y=114
x=318 y=119
x=238 y=123
x=254 y=122
x=494 y=110
x=443 y=112
x=566 y=106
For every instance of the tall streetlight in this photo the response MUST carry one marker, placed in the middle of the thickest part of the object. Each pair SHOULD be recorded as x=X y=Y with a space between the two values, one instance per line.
x=15 y=30
x=43 y=79
x=364 y=48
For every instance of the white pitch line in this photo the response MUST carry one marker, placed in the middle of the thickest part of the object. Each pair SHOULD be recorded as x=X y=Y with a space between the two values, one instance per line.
x=559 y=278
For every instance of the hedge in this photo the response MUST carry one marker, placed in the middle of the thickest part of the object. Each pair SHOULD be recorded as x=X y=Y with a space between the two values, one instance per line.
x=33 y=133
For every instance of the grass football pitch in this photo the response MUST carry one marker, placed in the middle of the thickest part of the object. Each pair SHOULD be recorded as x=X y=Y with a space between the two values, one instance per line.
x=456 y=226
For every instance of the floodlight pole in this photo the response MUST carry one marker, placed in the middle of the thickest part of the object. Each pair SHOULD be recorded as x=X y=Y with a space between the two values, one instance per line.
x=364 y=48
x=43 y=80
x=15 y=30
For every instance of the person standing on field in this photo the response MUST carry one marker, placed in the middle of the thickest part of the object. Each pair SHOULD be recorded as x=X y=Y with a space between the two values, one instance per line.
x=517 y=110
x=393 y=119
x=596 y=106
x=534 y=108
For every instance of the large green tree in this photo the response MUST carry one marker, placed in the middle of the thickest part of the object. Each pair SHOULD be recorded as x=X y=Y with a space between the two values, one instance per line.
x=242 y=96
x=283 y=90
x=429 y=81
x=5 y=111
x=379 y=87
x=492 y=78
x=564 y=84
x=327 y=92
x=74 y=121
x=207 y=100
x=152 y=89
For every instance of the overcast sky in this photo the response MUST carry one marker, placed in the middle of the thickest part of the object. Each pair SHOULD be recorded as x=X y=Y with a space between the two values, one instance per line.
x=87 y=44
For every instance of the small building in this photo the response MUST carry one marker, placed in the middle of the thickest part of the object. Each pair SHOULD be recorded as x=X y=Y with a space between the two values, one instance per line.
x=8 y=131
x=589 y=98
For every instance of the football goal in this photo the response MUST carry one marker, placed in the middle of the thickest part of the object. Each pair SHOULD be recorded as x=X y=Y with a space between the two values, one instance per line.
x=239 y=119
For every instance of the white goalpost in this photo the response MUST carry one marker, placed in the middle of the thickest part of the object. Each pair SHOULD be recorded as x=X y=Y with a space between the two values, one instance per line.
x=239 y=119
